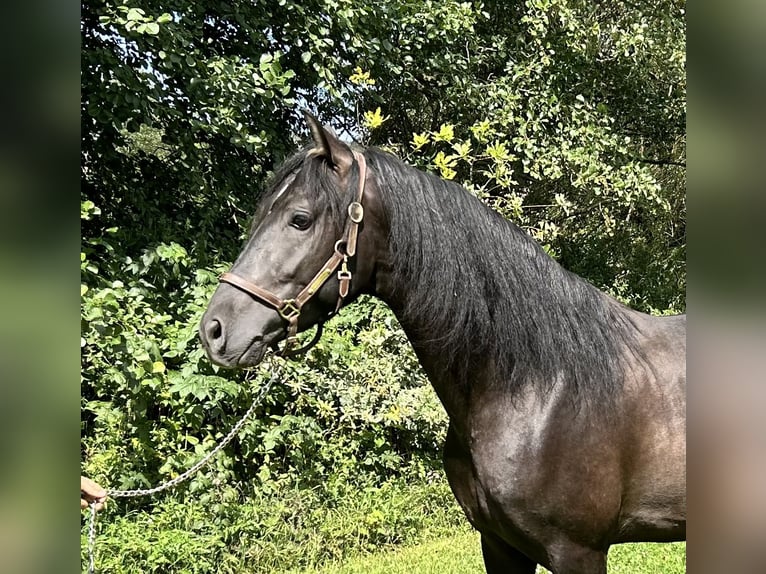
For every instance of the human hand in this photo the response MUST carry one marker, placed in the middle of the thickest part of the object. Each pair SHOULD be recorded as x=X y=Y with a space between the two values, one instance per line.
x=91 y=492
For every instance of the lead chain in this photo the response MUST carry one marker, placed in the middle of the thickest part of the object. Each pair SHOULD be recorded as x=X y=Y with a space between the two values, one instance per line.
x=179 y=479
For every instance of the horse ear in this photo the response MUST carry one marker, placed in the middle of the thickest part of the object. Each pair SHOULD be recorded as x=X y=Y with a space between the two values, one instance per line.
x=328 y=146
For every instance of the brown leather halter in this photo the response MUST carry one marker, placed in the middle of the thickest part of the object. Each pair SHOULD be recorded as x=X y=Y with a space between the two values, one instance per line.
x=345 y=247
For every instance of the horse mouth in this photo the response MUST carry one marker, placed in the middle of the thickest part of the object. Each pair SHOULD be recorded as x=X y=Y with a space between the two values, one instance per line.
x=253 y=354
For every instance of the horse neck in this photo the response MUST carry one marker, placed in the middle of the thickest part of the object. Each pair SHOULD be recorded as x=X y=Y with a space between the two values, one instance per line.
x=481 y=303
x=397 y=287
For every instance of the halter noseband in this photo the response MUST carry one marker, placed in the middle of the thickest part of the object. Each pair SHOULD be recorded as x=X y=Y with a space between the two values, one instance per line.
x=345 y=247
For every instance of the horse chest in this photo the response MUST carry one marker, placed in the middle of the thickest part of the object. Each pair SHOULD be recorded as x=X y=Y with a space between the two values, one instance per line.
x=513 y=477
x=490 y=475
x=491 y=504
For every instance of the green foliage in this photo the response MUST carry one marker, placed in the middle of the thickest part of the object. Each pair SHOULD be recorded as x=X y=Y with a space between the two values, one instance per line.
x=564 y=116
x=286 y=529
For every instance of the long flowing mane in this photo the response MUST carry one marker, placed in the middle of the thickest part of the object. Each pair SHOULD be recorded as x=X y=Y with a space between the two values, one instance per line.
x=478 y=288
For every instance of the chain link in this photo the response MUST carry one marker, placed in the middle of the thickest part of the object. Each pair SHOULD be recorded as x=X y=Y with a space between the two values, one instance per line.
x=92 y=539
x=181 y=477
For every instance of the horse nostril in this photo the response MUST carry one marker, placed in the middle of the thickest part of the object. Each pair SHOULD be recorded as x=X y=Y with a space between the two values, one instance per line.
x=214 y=336
x=214 y=329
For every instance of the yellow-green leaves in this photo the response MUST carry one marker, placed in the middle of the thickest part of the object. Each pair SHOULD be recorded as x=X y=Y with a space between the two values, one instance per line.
x=374 y=119
x=136 y=20
x=498 y=151
x=445 y=163
x=462 y=149
x=446 y=133
x=419 y=140
x=361 y=78
x=481 y=130
x=88 y=209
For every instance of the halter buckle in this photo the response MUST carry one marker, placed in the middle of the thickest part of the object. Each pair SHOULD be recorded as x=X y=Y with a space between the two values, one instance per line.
x=289 y=310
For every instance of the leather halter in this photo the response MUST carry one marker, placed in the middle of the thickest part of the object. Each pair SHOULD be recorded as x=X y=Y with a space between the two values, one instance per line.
x=345 y=247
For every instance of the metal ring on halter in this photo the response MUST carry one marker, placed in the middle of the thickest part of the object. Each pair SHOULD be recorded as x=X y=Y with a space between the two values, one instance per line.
x=287 y=353
x=337 y=247
x=356 y=212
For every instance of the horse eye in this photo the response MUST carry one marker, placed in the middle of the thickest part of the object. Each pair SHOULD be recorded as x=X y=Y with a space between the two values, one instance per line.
x=300 y=220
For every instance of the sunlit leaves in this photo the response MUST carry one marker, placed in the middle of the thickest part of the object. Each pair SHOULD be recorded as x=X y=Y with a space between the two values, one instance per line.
x=374 y=119
x=462 y=149
x=136 y=20
x=498 y=151
x=481 y=130
x=88 y=209
x=446 y=133
x=445 y=163
x=361 y=77
x=419 y=140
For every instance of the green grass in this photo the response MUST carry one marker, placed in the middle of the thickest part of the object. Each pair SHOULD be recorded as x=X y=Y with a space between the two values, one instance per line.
x=648 y=558
x=461 y=554
x=453 y=555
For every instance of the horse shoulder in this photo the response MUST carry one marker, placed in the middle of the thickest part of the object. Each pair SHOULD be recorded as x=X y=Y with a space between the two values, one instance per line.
x=526 y=451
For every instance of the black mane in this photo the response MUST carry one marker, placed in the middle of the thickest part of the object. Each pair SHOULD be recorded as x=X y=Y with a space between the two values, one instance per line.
x=477 y=286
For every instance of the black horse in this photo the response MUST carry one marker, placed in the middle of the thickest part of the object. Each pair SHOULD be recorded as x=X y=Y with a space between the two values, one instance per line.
x=566 y=408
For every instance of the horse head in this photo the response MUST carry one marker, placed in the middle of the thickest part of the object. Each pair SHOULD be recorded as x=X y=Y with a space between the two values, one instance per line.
x=304 y=258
